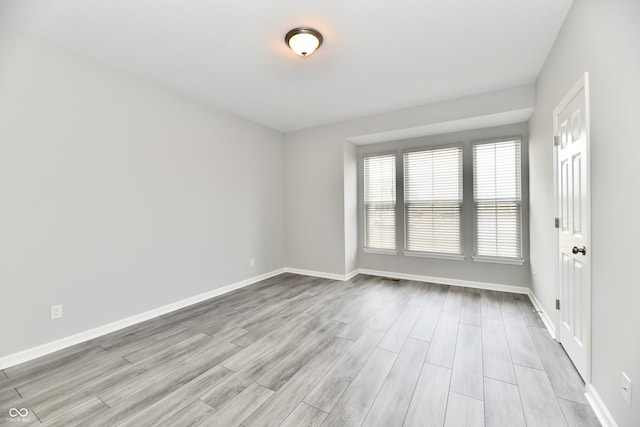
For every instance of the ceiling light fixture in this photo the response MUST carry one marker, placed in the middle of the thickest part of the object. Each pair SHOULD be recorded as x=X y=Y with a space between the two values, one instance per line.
x=303 y=40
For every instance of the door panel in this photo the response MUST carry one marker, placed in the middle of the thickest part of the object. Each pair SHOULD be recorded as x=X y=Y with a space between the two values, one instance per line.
x=564 y=201
x=577 y=193
x=572 y=193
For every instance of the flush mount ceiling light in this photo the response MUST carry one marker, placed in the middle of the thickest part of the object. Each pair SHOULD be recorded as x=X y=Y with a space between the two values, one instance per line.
x=303 y=40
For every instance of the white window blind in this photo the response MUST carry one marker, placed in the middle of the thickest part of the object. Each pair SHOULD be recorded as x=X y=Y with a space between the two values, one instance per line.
x=497 y=199
x=380 y=202
x=433 y=200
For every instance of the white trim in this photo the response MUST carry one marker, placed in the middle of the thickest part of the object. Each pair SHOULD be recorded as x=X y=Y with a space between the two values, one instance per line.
x=452 y=282
x=416 y=277
x=600 y=409
x=497 y=260
x=380 y=251
x=351 y=275
x=581 y=84
x=453 y=257
x=321 y=274
x=551 y=327
x=44 y=349
x=592 y=396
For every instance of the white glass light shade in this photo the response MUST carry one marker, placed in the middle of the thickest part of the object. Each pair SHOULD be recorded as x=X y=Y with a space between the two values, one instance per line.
x=304 y=44
x=303 y=41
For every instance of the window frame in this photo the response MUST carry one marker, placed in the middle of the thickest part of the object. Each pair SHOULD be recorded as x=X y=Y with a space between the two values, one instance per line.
x=497 y=259
x=405 y=232
x=365 y=248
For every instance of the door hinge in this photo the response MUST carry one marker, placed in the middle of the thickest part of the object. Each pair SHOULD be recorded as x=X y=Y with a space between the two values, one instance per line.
x=557 y=304
x=556 y=140
x=556 y=222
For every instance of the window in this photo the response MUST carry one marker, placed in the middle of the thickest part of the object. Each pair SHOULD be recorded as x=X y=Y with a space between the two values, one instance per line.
x=497 y=199
x=380 y=202
x=433 y=201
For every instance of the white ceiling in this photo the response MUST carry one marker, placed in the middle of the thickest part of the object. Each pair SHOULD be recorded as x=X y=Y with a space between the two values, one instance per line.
x=377 y=55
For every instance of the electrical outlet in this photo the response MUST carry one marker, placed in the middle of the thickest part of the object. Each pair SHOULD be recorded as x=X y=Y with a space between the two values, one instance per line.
x=626 y=388
x=56 y=311
x=252 y=262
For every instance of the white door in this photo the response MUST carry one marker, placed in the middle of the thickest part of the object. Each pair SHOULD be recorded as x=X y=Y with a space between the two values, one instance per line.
x=574 y=253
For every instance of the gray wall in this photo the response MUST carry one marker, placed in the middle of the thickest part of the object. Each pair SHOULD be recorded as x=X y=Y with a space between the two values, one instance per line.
x=314 y=211
x=602 y=38
x=118 y=197
x=467 y=269
x=320 y=211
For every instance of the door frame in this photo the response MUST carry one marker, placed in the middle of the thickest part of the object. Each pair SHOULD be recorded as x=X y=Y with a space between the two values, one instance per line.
x=582 y=83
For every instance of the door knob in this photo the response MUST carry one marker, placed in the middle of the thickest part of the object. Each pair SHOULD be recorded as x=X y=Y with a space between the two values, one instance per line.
x=577 y=250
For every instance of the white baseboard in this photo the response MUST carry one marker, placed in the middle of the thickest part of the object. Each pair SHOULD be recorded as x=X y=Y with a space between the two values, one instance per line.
x=447 y=281
x=321 y=274
x=598 y=406
x=551 y=327
x=44 y=349
x=600 y=409
x=416 y=277
x=592 y=396
x=419 y=278
x=351 y=275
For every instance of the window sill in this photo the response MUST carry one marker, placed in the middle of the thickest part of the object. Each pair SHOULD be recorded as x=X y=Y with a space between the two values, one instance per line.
x=380 y=251
x=435 y=255
x=491 y=260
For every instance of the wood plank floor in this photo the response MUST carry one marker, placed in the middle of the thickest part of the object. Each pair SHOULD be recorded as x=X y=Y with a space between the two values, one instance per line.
x=301 y=351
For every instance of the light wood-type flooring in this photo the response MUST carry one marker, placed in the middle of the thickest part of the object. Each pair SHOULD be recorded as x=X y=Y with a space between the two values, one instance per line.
x=301 y=351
